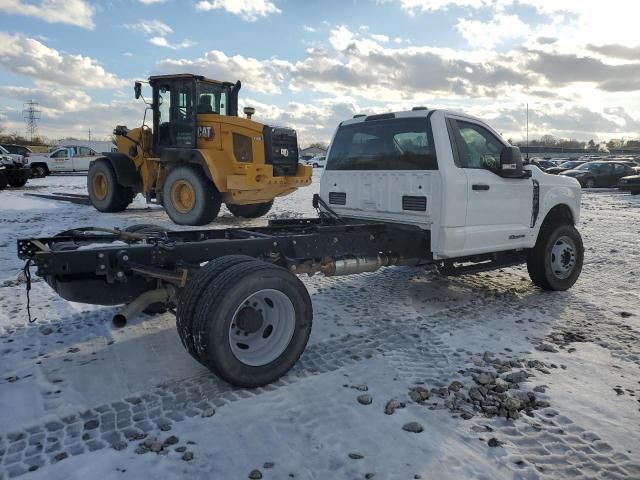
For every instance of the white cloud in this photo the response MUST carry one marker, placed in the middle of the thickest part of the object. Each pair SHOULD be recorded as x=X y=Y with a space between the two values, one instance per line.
x=487 y=34
x=29 y=57
x=151 y=27
x=163 y=42
x=151 y=2
x=259 y=76
x=71 y=12
x=380 y=38
x=249 y=10
x=307 y=28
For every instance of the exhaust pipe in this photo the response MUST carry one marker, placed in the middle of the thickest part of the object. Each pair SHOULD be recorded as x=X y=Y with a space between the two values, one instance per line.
x=133 y=309
x=349 y=265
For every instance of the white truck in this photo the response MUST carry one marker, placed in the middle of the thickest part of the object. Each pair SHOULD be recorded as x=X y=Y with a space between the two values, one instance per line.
x=65 y=159
x=416 y=188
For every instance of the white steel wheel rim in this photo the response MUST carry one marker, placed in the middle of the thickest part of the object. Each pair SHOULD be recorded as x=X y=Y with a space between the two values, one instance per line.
x=563 y=257
x=262 y=327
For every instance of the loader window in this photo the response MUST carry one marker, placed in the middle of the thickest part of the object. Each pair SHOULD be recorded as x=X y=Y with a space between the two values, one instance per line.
x=391 y=144
x=212 y=98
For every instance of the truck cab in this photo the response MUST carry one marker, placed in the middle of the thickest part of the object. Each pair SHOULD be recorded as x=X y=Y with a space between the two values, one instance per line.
x=445 y=172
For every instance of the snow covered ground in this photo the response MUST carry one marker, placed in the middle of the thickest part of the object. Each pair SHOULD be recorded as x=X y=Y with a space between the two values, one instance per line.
x=79 y=398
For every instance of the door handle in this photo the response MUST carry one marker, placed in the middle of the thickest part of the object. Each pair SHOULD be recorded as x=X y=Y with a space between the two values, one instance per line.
x=480 y=186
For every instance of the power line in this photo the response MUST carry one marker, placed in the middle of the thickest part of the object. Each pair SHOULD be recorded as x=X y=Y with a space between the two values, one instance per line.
x=31 y=115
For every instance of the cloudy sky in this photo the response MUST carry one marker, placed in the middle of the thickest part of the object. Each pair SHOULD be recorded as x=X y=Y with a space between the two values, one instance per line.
x=311 y=64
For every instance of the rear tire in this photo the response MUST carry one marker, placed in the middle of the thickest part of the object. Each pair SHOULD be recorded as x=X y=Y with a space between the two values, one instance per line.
x=105 y=193
x=189 y=197
x=254 y=210
x=252 y=323
x=190 y=296
x=40 y=171
x=555 y=262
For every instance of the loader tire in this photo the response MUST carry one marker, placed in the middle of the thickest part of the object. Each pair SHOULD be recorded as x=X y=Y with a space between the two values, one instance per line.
x=555 y=262
x=189 y=197
x=190 y=296
x=253 y=210
x=3 y=181
x=105 y=193
x=252 y=323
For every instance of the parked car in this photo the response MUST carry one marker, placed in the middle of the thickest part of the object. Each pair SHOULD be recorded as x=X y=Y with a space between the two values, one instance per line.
x=13 y=172
x=630 y=184
x=319 y=161
x=17 y=149
x=565 y=166
x=599 y=174
x=63 y=159
x=542 y=164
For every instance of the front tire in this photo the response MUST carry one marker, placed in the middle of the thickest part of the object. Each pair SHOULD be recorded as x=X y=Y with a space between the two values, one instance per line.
x=254 y=210
x=589 y=183
x=105 y=193
x=555 y=262
x=252 y=323
x=189 y=197
x=17 y=183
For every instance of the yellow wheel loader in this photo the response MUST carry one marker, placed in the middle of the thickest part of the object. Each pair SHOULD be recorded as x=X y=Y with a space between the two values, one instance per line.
x=198 y=155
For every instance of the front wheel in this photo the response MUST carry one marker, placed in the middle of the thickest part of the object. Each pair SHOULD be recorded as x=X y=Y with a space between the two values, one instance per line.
x=39 y=171
x=254 y=210
x=252 y=323
x=589 y=183
x=189 y=197
x=555 y=262
x=18 y=182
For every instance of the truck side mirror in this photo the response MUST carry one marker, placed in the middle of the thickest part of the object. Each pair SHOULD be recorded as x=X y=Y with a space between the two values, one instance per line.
x=137 y=88
x=511 y=163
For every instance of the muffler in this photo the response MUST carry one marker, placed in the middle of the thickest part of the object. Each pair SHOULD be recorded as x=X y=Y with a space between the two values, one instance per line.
x=135 y=308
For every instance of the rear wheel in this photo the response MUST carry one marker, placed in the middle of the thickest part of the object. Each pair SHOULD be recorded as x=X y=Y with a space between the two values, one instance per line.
x=189 y=197
x=105 y=193
x=555 y=262
x=253 y=210
x=191 y=294
x=252 y=323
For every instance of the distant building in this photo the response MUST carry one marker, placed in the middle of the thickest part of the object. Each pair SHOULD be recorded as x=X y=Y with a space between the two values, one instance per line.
x=307 y=153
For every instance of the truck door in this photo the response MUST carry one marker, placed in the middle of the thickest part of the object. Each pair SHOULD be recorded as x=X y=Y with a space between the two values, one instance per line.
x=175 y=115
x=498 y=209
x=61 y=161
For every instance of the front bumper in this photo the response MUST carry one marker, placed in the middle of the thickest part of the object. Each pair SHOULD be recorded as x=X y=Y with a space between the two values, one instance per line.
x=257 y=184
x=18 y=173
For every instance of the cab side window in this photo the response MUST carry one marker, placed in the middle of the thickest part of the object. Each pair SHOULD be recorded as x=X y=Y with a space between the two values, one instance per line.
x=478 y=147
x=59 y=154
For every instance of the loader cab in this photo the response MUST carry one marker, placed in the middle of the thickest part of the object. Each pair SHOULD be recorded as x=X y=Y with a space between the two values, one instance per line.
x=177 y=102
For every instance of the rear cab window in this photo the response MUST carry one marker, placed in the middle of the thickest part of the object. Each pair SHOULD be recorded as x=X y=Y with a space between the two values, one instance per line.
x=389 y=144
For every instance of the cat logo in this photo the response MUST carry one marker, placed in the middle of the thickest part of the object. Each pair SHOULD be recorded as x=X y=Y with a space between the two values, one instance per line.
x=208 y=133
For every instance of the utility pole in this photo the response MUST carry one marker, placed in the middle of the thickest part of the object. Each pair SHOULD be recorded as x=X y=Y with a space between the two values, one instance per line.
x=89 y=133
x=31 y=115
x=527 y=132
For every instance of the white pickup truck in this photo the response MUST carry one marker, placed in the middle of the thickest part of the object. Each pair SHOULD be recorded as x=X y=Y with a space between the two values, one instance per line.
x=416 y=188
x=63 y=160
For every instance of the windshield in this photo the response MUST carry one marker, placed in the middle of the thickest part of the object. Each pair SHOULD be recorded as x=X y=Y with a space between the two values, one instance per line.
x=393 y=144
x=570 y=164
x=593 y=167
x=3 y=150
